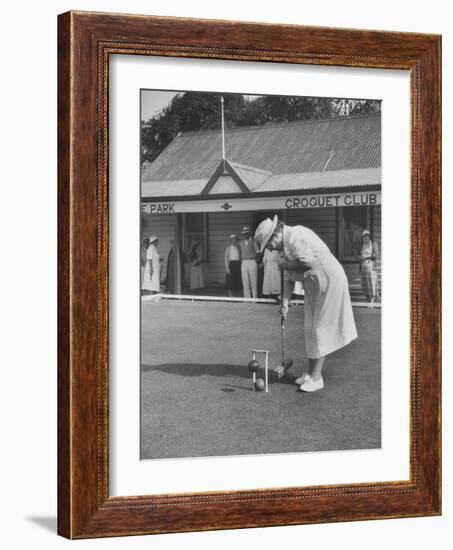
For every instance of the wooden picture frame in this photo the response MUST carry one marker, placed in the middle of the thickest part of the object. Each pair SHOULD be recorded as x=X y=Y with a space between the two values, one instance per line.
x=85 y=41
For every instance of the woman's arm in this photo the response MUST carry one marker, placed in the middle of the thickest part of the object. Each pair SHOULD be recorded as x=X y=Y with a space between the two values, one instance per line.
x=193 y=255
x=149 y=260
x=298 y=265
x=227 y=259
x=375 y=251
x=199 y=260
x=256 y=247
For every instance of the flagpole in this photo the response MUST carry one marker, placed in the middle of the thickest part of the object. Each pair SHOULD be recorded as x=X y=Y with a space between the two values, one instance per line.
x=223 y=133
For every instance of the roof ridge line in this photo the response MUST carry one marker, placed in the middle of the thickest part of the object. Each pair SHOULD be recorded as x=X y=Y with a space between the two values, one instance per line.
x=277 y=124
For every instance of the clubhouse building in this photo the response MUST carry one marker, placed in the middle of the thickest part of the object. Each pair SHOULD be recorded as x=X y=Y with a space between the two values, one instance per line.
x=324 y=174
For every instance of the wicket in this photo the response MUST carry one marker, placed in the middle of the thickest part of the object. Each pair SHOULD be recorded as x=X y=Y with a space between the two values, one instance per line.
x=266 y=368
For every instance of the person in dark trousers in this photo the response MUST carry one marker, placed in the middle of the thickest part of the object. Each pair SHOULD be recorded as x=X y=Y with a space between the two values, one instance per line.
x=249 y=267
x=233 y=282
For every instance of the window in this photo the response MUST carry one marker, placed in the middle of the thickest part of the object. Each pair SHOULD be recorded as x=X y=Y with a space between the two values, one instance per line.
x=353 y=220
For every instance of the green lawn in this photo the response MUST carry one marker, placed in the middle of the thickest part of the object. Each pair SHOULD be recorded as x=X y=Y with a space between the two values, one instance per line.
x=195 y=386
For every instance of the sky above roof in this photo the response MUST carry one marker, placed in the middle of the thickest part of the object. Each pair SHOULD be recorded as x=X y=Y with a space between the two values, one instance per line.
x=154 y=101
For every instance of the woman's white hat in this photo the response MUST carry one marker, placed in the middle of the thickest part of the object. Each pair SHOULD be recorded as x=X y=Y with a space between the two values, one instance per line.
x=264 y=232
x=233 y=236
x=365 y=232
x=153 y=238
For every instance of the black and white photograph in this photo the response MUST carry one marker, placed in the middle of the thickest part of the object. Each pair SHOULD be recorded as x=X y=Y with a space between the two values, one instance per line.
x=260 y=274
x=224 y=341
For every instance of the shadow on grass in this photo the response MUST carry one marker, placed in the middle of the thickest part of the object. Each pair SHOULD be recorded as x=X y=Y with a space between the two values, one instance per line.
x=216 y=370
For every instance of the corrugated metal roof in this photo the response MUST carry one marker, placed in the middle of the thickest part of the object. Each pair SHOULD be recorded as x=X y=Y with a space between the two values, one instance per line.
x=173 y=188
x=279 y=182
x=343 y=143
x=322 y=180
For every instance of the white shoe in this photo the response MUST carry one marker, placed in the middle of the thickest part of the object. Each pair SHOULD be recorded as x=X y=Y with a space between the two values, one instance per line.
x=302 y=379
x=311 y=385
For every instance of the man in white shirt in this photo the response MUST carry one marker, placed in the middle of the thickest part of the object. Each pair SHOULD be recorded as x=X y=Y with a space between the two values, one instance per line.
x=249 y=267
x=232 y=262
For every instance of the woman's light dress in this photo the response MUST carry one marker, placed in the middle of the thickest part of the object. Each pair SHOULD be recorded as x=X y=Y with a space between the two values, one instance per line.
x=151 y=280
x=368 y=270
x=329 y=319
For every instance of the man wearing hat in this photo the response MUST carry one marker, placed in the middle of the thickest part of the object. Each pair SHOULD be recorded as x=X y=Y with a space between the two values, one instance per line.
x=249 y=267
x=328 y=318
x=151 y=274
x=232 y=261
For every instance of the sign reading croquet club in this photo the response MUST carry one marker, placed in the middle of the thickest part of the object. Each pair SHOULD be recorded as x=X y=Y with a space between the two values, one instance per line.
x=264 y=203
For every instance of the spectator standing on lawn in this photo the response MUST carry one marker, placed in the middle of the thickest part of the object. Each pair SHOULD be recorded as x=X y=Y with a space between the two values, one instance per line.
x=271 y=280
x=151 y=274
x=369 y=253
x=143 y=250
x=233 y=281
x=249 y=267
x=329 y=321
x=170 y=277
x=196 y=266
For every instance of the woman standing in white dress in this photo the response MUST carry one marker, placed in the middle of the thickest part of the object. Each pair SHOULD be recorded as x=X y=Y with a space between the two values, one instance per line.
x=329 y=321
x=151 y=275
x=369 y=253
x=271 y=279
x=196 y=266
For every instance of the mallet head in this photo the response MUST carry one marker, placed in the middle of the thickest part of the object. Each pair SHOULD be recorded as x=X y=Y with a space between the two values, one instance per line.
x=280 y=370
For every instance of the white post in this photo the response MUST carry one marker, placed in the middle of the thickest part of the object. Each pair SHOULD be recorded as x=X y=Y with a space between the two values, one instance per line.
x=254 y=373
x=223 y=132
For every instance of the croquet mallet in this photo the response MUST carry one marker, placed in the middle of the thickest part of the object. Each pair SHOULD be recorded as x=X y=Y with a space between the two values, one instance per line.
x=285 y=364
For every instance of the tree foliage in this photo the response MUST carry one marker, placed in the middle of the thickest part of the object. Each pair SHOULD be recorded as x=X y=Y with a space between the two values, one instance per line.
x=194 y=111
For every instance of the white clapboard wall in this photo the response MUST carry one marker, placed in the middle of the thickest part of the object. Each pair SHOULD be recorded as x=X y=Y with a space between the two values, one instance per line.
x=222 y=224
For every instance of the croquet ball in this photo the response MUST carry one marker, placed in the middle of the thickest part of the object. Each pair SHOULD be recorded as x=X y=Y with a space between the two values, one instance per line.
x=259 y=384
x=253 y=366
x=287 y=363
